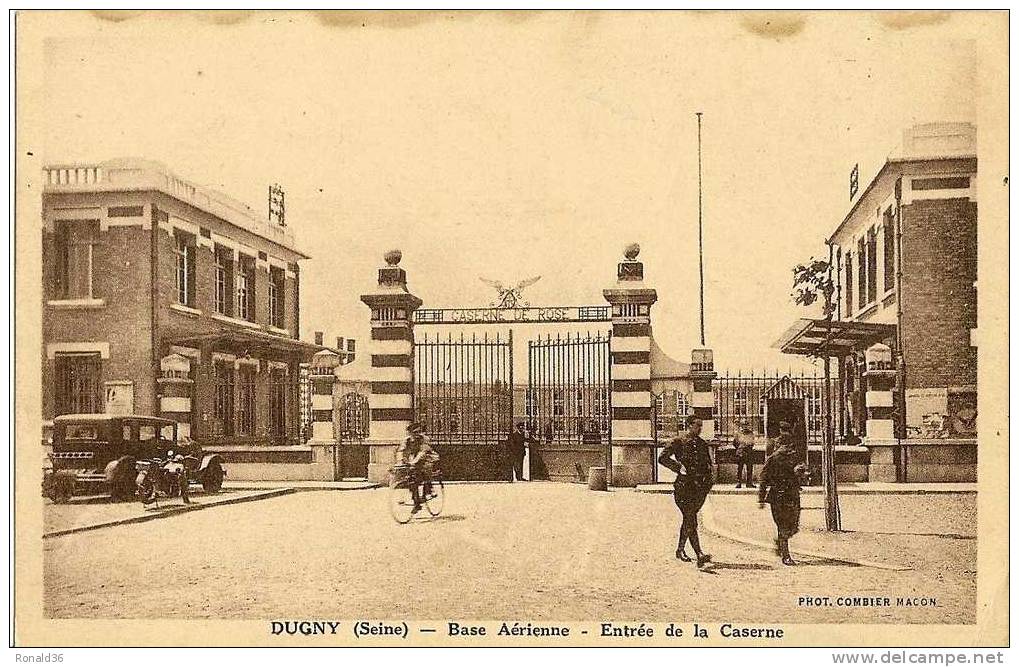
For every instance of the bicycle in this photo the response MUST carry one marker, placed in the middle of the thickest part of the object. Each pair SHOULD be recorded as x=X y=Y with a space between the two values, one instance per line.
x=401 y=496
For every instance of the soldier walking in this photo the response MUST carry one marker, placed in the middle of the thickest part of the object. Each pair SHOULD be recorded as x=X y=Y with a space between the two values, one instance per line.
x=689 y=457
x=780 y=487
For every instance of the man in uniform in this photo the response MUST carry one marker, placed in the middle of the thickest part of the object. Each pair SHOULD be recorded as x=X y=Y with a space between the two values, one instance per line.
x=784 y=439
x=689 y=457
x=780 y=487
x=516 y=448
x=744 y=444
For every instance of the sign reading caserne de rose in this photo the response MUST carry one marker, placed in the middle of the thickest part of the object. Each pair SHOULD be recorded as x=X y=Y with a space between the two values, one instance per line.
x=511 y=315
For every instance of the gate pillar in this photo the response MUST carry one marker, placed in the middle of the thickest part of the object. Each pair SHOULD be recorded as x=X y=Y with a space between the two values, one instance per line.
x=323 y=434
x=702 y=373
x=392 y=365
x=630 y=347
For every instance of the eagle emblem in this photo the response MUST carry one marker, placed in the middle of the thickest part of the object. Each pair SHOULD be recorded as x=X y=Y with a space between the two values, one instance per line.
x=509 y=297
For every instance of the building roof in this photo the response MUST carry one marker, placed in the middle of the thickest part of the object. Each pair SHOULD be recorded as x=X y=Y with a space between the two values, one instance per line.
x=784 y=387
x=253 y=342
x=665 y=367
x=837 y=338
x=922 y=143
x=135 y=174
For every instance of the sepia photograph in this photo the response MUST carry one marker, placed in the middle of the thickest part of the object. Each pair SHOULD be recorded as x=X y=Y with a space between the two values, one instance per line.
x=525 y=328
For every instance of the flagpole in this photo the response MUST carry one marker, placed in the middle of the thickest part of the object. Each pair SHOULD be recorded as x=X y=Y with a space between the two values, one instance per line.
x=700 y=222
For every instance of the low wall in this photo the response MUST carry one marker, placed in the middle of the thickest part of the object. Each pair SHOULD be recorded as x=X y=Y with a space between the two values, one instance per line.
x=924 y=460
x=277 y=464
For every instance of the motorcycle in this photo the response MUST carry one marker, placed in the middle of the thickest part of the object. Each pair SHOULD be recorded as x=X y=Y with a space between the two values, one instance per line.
x=162 y=477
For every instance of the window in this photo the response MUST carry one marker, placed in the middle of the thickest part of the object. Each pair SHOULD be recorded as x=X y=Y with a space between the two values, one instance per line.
x=889 y=234
x=146 y=432
x=659 y=411
x=73 y=244
x=601 y=405
x=245 y=307
x=278 y=403
x=78 y=380
x=849 y=284
x=224 y=407
x=81 y=432
x=815 y=411
x=277 y=282
x=224 y=278
x=558 y=403
x=861 y=271
x=872 y=265
x=184 y=263
x=682 y=404
x=739 y=402
x=246 y=400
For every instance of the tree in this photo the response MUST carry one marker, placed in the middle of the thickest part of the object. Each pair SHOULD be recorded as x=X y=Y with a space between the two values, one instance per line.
x=813 y=281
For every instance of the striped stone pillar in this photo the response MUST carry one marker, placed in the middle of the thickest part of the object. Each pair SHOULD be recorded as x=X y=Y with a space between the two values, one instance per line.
x=323 y=441
x=880 y=386
x=392 y=365
x=175 y=391
x=702 y=401
x=879 y=400
x=321 y=377
x=630 y=348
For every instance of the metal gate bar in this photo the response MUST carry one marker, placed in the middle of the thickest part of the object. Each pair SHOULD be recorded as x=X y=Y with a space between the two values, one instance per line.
x=463 y=397
x=567 y=404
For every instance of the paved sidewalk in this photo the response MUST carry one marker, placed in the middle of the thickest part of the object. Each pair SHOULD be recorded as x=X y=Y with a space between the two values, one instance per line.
x=845 y=488
x=92 y=513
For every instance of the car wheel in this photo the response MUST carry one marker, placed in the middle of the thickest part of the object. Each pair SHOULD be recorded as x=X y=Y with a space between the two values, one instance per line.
x=122 y=479
x=212 y=480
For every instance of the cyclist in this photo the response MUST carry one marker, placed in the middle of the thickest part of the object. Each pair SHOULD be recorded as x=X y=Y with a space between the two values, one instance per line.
x=421 y=458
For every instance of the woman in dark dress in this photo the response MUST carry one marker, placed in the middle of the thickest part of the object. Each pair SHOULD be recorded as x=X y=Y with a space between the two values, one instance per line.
x=689 y=457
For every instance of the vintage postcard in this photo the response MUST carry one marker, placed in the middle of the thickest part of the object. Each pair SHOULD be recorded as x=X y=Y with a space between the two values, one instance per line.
x=511 y=328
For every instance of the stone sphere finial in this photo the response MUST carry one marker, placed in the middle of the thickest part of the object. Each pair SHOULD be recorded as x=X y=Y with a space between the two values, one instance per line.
x=393 y=257
x=631 y=251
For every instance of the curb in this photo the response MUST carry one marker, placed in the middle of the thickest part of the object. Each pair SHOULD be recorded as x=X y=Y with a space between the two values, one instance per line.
x=267 y=493
x=304 y=486
x=709 y=523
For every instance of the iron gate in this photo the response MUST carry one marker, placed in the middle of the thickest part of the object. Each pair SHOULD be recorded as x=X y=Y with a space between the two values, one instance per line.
x=568 y=405
x=464 y=398
x=354 y=429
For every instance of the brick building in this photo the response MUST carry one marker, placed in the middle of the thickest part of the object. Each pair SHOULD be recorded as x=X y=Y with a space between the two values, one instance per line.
x=905 y=257
x=165 y=298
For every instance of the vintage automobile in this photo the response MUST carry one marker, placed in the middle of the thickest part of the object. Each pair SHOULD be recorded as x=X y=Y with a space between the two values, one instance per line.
x=97 y=453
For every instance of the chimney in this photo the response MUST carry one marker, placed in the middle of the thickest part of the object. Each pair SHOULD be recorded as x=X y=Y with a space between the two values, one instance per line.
x=318 y=338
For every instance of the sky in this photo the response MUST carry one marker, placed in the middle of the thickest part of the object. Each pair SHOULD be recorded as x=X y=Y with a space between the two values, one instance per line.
x=508 y=146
